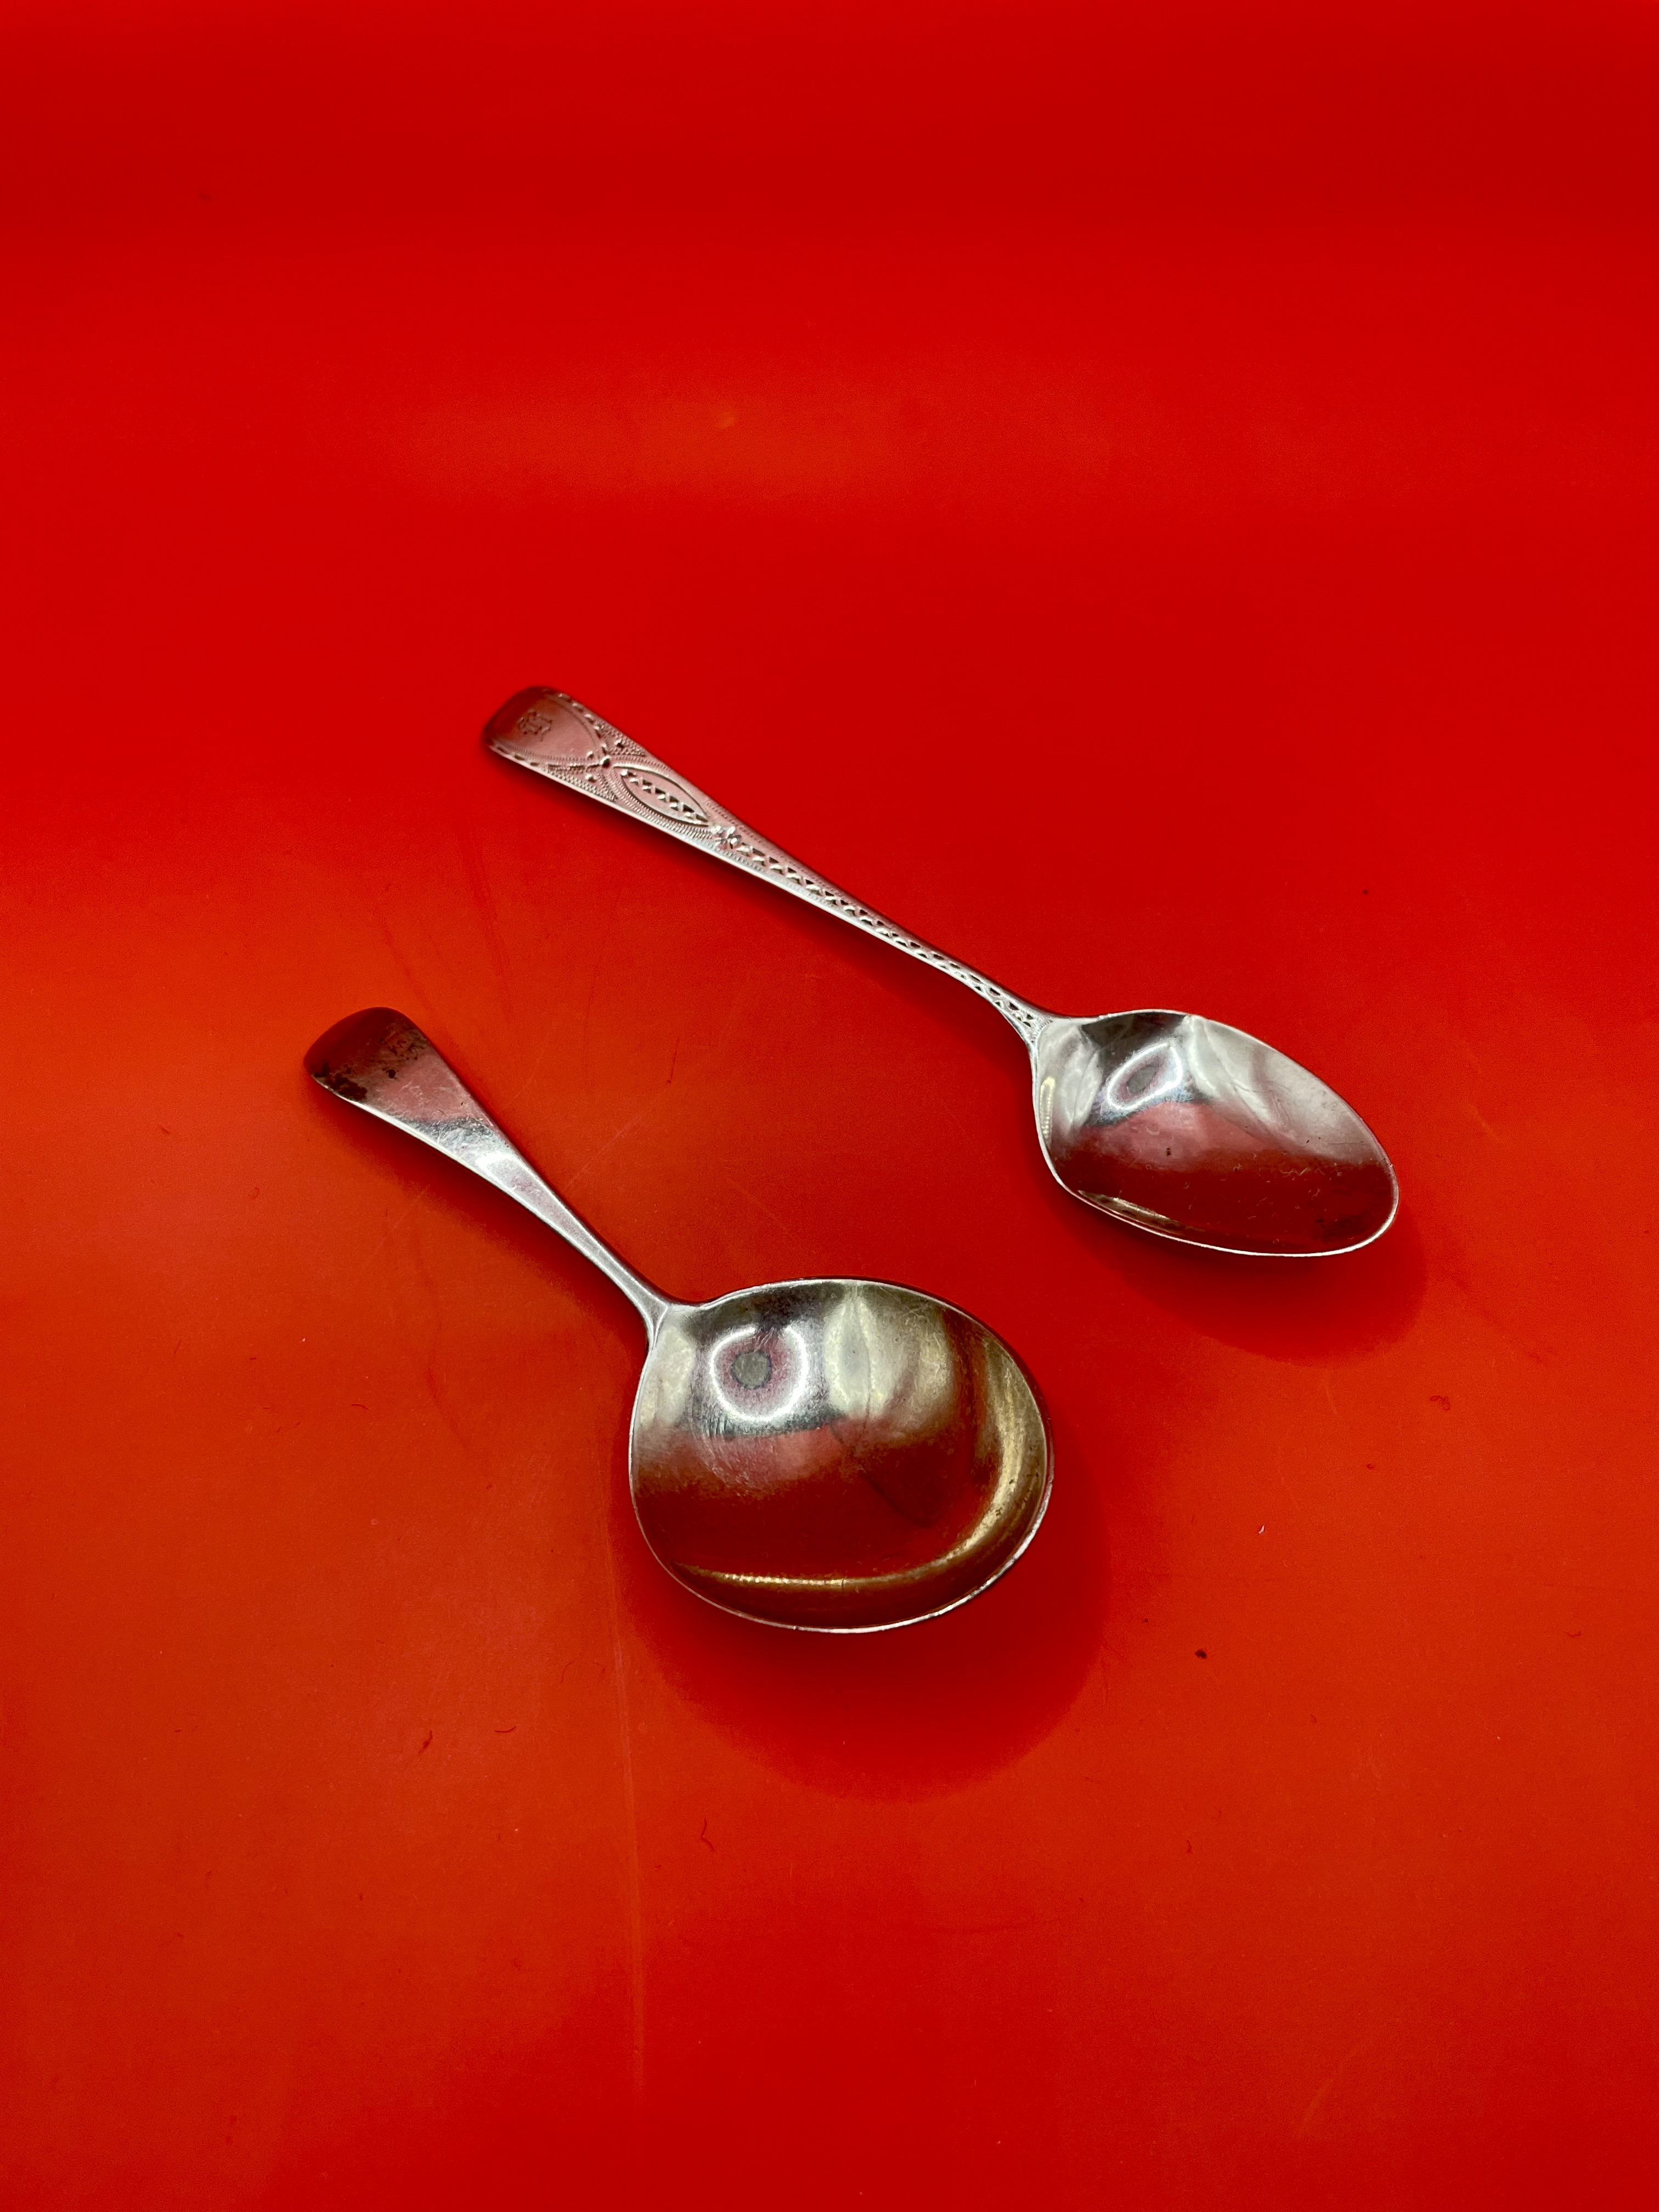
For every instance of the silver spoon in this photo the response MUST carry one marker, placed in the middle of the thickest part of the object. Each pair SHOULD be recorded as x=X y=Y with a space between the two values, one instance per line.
x=833 y=1455
x=1181 y=1127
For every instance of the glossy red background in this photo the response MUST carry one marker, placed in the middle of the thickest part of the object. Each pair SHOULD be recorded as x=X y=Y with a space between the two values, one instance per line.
x=1159 y=499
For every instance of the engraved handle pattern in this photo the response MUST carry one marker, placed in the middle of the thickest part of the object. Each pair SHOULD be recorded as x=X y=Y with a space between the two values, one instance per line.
x=558 y=737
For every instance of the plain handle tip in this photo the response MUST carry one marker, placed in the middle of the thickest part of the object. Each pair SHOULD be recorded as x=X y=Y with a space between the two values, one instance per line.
x=349 y=1058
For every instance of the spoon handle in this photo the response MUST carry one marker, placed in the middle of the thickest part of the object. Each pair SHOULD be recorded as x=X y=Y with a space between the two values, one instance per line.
x=379 y=1060
x=557 y=736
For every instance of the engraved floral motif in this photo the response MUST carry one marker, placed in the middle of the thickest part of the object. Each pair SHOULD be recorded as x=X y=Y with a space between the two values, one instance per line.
x=623 y=774
x=660 y=794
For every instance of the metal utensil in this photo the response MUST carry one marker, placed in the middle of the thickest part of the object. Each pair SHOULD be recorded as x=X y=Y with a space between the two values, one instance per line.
x=1180 y=1127
x=830 y=1454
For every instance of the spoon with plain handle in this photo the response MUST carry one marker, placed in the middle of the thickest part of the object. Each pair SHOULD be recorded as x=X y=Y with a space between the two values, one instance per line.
x=1179 y=1125
x=833 y=1455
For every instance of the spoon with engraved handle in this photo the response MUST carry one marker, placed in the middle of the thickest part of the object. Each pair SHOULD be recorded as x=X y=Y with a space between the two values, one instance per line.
x=1174 y=1124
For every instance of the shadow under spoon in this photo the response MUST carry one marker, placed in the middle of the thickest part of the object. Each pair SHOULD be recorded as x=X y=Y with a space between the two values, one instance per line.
x=1183 y=1127
x=835 y=1454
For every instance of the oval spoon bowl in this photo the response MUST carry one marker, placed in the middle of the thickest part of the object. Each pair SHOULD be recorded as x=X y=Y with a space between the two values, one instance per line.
x=1194 y=1131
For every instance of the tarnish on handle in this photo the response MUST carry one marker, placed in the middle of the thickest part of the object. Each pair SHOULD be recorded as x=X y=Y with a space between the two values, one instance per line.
x=378 y=1059
x=557 y=736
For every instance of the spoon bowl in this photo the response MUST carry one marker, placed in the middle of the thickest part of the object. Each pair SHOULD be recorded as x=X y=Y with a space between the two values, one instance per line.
x=835 y=1454
x=1191 y=1130
x=838 y=1454
x=1171 y=1124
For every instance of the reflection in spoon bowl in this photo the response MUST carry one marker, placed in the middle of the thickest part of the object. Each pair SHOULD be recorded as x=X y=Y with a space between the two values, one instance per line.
x=1194 y=1131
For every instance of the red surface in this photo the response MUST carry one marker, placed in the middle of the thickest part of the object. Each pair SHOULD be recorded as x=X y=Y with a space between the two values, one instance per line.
x=1161 y=500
